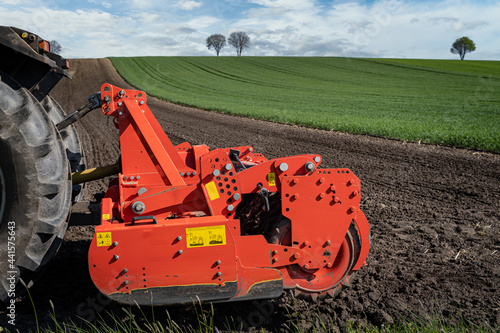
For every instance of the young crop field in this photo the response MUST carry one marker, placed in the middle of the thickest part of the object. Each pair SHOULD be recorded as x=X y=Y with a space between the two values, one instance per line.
x=436 y=101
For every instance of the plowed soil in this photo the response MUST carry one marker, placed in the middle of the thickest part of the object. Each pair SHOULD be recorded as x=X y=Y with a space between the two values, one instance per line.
x=434 y=213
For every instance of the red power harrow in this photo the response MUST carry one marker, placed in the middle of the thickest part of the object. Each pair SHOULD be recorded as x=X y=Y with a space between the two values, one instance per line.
x=185 y=222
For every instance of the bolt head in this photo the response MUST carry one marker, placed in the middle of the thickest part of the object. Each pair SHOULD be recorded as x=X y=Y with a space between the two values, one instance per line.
x=230 y=208
x=283 y=167
x=179 y=238
x=126 y=282
x=329 y=265
x=250 y=149
x=219 y=274
x=306 y=266
x=309 y=166
x=218 y=262
x=317 y=159
x=236 y=196
x=229 y=166
x=180 y=251
x=125 y=271
x=138 y=207
x=115 y=243
x=120 y=104
x=275 y=260
x=322 y=195
x=120 y=113
x=194 y=173
x=216 y=172
x=141 y=102
x=296 y=255
x=116 y=257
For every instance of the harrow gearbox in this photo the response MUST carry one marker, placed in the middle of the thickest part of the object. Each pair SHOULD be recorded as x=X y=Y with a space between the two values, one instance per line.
x=186 y=222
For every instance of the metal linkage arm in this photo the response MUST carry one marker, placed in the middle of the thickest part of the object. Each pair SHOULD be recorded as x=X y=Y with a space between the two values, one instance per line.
x=148 y=148
x=94 y=102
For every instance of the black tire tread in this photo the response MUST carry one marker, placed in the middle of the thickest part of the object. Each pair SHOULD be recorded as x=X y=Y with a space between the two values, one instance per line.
x=71 y=142
x=34 y=159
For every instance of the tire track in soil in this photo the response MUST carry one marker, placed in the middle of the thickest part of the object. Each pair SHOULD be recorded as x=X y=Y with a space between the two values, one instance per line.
x=434 y=213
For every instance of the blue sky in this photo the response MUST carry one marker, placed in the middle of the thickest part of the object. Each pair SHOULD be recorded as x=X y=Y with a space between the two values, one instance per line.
x=371 y=28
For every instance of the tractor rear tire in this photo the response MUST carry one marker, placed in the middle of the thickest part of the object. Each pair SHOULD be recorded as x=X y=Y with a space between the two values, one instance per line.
x=71 y=143
x=35 y=188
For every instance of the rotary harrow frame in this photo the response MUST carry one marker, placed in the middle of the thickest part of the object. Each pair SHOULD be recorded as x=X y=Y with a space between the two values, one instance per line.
x=171 y=225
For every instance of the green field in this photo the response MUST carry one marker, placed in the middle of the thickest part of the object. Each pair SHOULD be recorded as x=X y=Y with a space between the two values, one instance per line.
x=437 y=101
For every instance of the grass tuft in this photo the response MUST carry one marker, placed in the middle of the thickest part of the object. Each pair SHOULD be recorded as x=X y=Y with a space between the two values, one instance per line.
x=300 y=322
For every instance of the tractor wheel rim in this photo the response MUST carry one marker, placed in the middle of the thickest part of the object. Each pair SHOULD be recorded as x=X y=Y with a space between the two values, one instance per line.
x=3 y=194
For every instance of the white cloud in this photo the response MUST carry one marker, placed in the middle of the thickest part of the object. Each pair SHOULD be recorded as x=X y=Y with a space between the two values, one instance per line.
x=385 y=28
x=202 y=22
x=101 y=3
x=148 y=18
x=288 y=4
x=188 y=4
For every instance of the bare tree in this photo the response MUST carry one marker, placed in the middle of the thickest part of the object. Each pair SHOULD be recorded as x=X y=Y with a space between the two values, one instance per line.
x=216 y=41
x=239 y=40
x=55 y=47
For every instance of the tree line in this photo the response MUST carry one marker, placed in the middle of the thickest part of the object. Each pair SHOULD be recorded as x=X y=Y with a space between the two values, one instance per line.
x=239 y=40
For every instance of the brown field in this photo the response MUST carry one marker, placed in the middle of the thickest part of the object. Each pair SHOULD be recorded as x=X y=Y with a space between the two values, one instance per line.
x=434 y=213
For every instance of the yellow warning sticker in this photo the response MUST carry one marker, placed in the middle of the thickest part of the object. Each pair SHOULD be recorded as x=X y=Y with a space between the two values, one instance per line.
x=103 y=238
x=212 y=191
x=206 y=236
x=271 y=179
x=105 y=216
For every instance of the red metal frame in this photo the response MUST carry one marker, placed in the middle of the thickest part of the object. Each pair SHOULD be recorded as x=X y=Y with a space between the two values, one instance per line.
x=168 y=231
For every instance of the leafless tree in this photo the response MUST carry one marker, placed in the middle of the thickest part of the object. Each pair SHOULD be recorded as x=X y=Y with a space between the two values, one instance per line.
x=55 y=47
x=216 y=41
x=239 y=40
